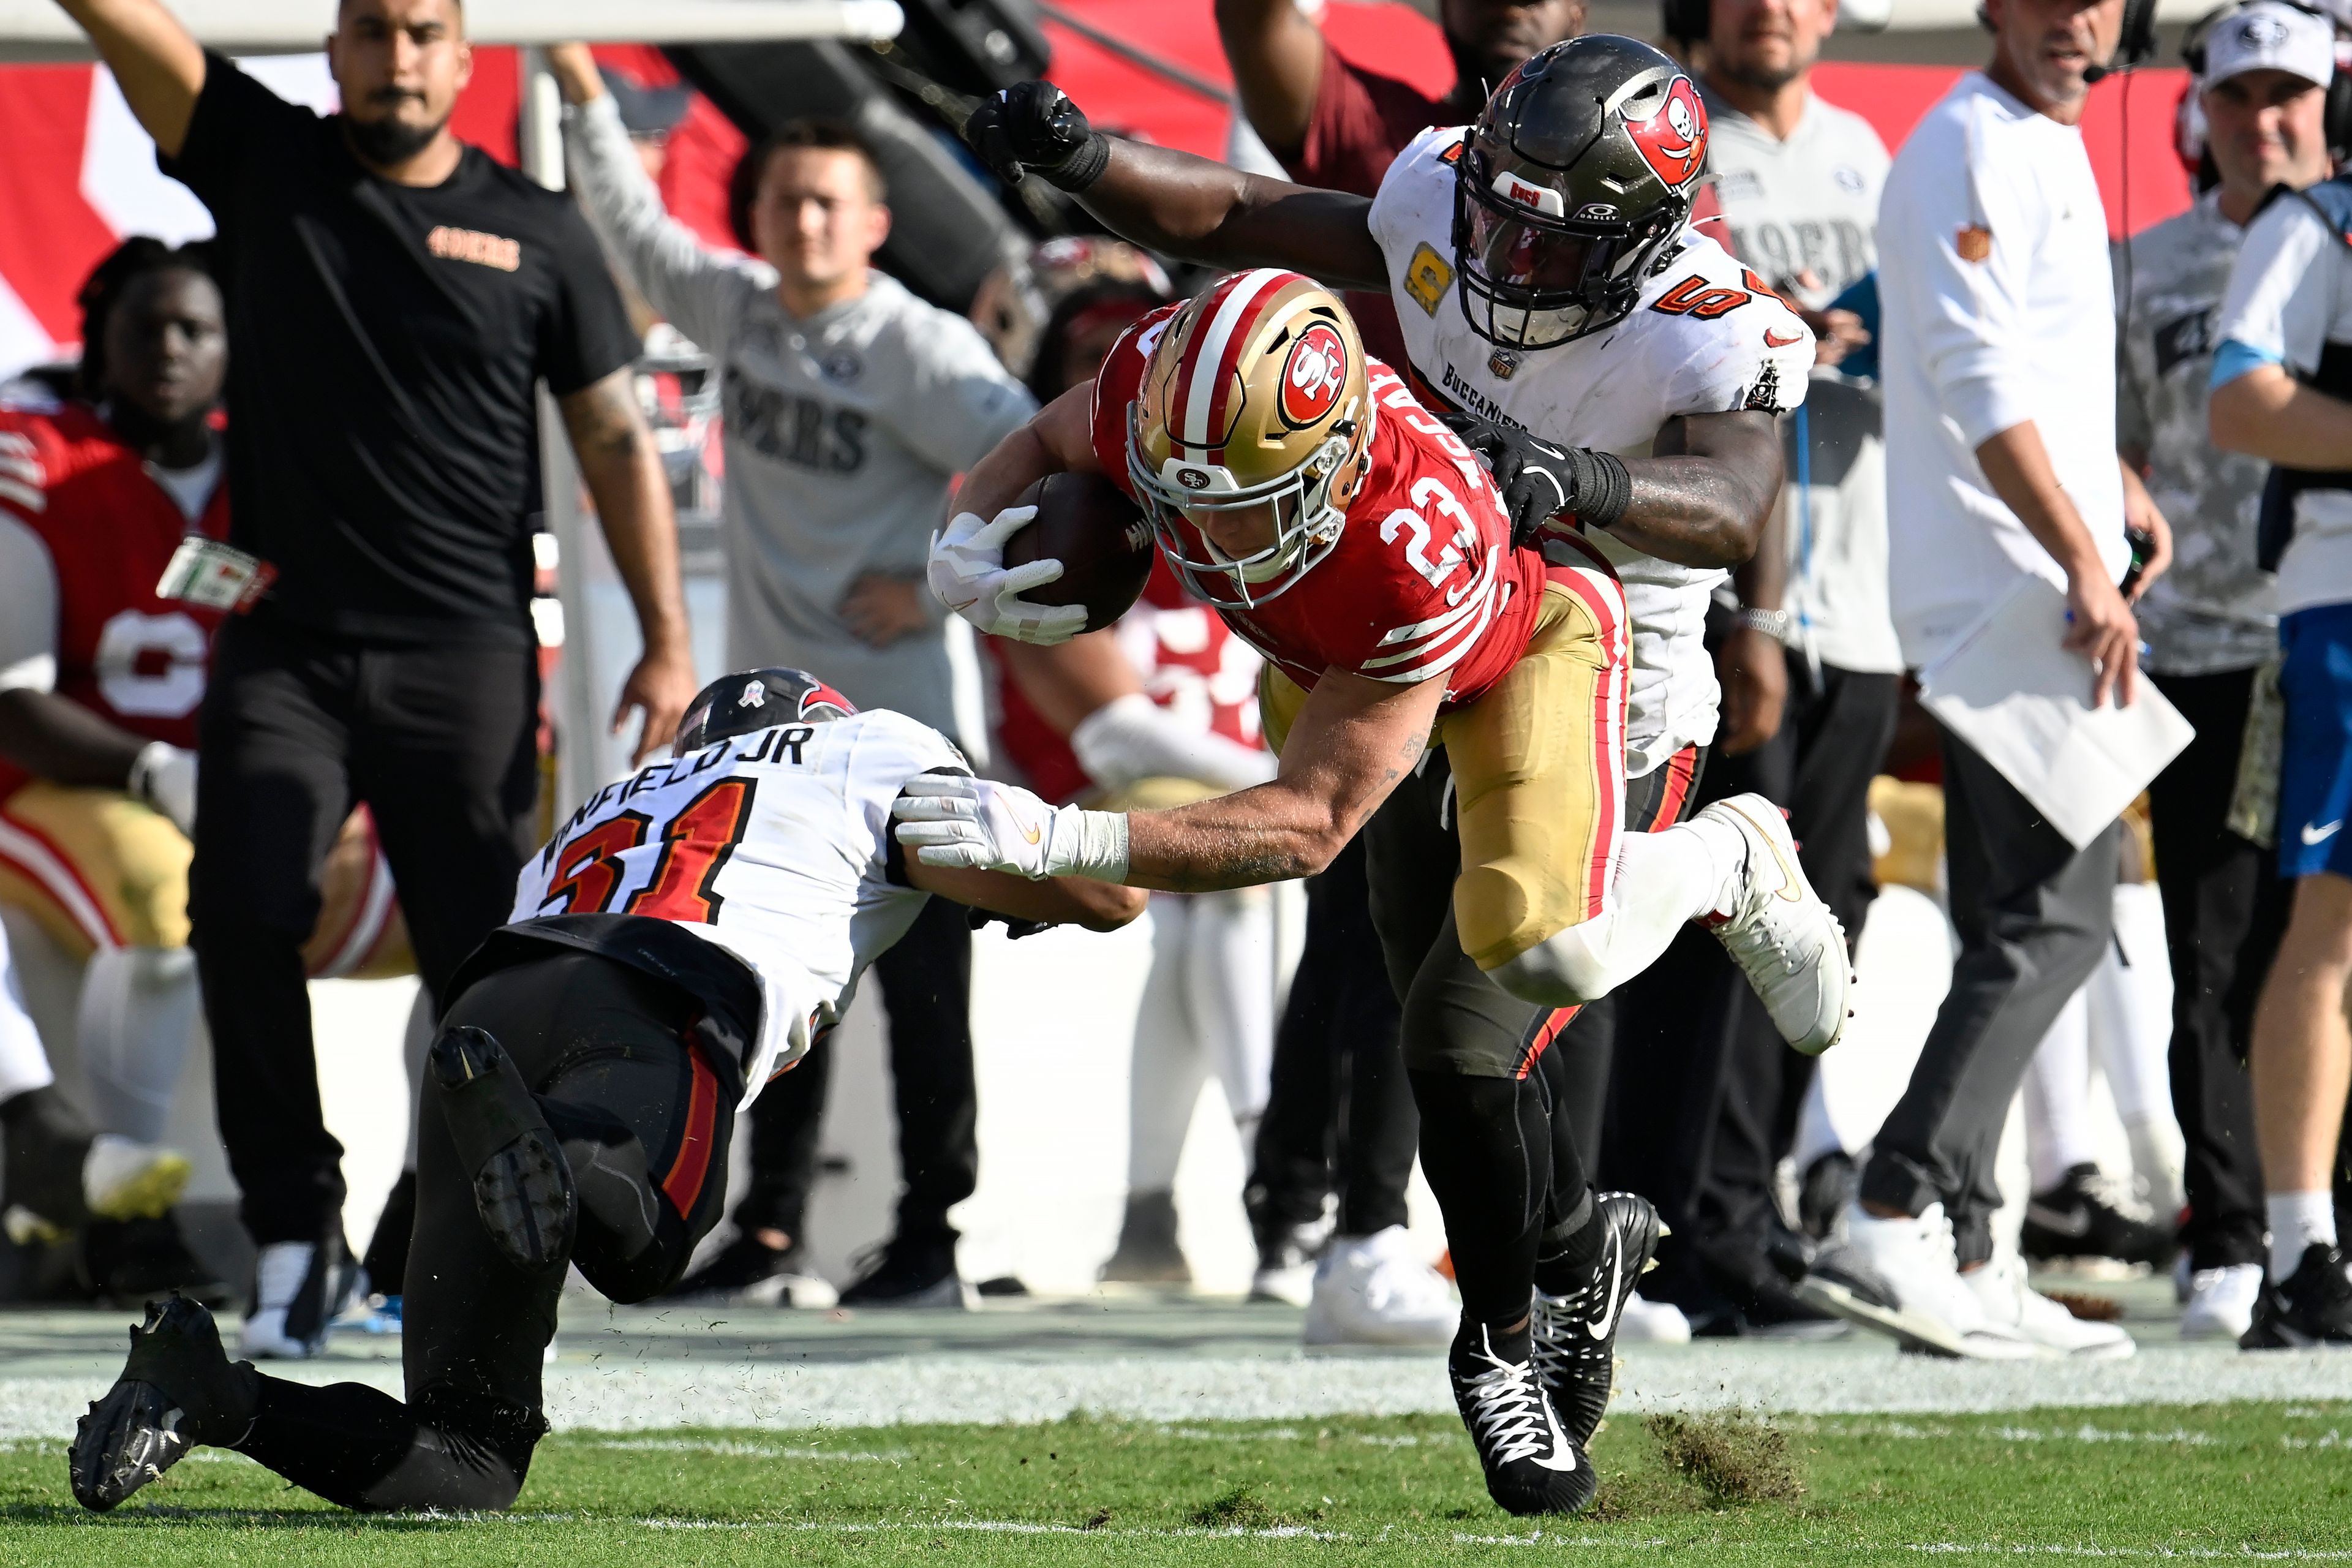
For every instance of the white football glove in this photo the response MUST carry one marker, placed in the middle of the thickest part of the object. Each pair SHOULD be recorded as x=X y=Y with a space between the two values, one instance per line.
x=977 y=825
x=164 y=777
x=967 y=572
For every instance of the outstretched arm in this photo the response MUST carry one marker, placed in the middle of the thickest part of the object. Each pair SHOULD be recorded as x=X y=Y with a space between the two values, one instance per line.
x=618 y=459
x=1074 y=900
x=159 y=67
x=1174 y=202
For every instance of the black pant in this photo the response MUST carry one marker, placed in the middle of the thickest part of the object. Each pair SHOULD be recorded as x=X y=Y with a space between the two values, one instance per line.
x=1709 y=1093
x=2034 y=916
x=441 y=741
x=2224 y=910
x=926 y=982
x=644 y=1120
x=1337 y=1103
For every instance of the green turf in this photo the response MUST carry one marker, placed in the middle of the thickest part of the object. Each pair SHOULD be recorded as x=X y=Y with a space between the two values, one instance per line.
x=2211 y=1480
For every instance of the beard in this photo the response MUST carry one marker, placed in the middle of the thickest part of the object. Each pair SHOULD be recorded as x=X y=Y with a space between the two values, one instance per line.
x=1759 y=77
x=386 y=141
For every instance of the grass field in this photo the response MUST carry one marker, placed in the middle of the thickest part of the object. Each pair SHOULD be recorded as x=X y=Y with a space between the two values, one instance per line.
x=2220 y=1481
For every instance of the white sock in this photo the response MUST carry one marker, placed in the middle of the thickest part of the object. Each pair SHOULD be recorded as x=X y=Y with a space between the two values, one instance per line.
x=24 y=1065
x=1726 y=861
x=138 y=1008
x=2058 y=1098
x=2298 y=1220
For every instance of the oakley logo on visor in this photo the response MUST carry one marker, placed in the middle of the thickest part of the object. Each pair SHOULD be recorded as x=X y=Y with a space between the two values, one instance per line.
x=1673 y=140
x=1313 y=377
x=1512 y=188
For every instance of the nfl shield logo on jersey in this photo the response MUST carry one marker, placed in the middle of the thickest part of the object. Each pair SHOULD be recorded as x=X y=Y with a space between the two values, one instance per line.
x=1502 y=363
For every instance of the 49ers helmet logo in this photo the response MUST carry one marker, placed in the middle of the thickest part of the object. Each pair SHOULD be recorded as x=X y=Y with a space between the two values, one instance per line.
x=1313 y=377
x=1673 y=140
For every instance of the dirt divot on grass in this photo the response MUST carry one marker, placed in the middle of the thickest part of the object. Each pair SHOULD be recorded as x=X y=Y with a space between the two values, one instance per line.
x=1734 y=1459
x=1237 y=1508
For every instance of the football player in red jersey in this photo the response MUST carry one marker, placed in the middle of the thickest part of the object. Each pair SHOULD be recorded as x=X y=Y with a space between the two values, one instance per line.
x=99 y=684
x=1471 y=693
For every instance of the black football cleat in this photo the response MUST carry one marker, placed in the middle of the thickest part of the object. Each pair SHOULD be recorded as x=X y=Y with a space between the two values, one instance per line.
x=2087 y=1215
x=523 y=1189
x=2311 y=1305
x=178 y=1390
x=1532 y=1465
x=1574 y=1320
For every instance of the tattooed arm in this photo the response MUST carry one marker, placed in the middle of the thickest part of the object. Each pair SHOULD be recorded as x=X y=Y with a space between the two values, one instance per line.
x=1352 y=742
x=624 y=471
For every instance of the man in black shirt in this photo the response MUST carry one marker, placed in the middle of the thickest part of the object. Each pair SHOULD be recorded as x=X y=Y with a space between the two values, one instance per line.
x=394 y=297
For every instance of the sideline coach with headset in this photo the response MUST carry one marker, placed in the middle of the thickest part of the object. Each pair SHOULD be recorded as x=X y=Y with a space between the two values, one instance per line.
x=394 y=298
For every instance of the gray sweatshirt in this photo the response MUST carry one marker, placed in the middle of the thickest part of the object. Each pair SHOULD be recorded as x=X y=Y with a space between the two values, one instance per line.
x=842 y=433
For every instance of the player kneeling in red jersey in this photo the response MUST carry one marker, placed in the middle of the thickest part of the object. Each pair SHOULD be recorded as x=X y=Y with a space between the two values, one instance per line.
x=679 y=944
x=1471 y=694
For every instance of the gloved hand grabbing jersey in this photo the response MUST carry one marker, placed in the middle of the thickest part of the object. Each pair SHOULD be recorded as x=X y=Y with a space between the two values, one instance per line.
x=967 y=572
x=1540 y=481
x=961 y=823
x=1032 y=125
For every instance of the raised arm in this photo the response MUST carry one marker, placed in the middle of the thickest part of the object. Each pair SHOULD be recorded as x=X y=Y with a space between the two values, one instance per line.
x=1174 y=202
x=624 y=471
x=159 y=67
x=1276 y=55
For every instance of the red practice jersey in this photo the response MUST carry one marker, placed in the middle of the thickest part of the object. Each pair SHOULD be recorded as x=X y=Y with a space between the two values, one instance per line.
x=109 y=530
x=1424 y=583
x=1191 y=664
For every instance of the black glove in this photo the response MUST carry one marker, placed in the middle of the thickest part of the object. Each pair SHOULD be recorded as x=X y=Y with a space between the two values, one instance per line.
x=1033 y=125
x=1540 y=481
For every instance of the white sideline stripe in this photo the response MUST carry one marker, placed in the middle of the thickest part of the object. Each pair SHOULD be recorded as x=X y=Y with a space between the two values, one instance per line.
x=744 y=1450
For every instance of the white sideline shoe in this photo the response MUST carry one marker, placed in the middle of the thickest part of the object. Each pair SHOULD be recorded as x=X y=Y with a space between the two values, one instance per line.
x=1378 y=1289
x=125 y=1180
x=2221 y=1303
x=298 y=1289
x=1648 y=1322
x=2000 y=1289
x=1784 y=939
x=1900 y=1278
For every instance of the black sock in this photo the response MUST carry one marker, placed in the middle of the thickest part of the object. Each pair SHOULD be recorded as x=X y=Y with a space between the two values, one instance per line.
x=1485 y=1146
x=1566 y=1251
x=47 y=1142
x=360 y=1447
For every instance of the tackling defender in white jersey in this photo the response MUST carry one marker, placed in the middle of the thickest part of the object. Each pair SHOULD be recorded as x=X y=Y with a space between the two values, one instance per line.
x=681 y=940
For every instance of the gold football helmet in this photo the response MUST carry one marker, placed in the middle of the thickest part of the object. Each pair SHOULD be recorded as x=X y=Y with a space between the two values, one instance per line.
x=1255 y=395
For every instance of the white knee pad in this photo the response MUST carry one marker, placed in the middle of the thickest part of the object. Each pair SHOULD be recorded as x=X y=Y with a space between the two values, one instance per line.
x=1566 y=969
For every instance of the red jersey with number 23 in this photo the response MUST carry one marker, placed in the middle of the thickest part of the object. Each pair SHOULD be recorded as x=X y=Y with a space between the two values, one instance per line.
x=1423 y=582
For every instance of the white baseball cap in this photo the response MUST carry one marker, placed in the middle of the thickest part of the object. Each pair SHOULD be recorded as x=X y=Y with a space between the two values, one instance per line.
x=2273 y=36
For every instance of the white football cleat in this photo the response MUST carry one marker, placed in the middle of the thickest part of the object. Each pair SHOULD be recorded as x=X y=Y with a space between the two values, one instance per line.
x=298 y=1289
x=1648 y=1322
x=2008 y=1301
x=1784 y=939
x=1379 y=1289
x=121 y=1179
x=2221 y=1304
x=1899 y=1277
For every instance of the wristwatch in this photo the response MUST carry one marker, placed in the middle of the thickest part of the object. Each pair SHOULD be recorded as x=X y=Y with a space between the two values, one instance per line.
x=1773 y=624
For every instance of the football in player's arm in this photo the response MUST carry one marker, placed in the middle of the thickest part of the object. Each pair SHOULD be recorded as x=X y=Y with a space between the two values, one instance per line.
x=1700 y=500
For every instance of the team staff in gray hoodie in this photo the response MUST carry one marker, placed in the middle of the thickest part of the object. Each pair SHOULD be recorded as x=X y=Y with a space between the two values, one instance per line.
x=848 y=404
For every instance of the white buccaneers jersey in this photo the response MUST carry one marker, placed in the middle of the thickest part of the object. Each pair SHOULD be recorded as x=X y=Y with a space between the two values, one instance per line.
x=774 y=844
x=1706 y=336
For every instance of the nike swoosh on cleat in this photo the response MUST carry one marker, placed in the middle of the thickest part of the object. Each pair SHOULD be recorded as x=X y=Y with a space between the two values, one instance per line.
x=1609 y=1302
x=2059 y=1222
x=1563 y=1453
x=2321 y=835
x=1788 y=887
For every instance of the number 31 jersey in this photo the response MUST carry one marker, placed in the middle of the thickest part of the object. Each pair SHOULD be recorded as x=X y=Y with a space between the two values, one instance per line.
x=1706 y=336
x=1423 y=582
x=775 y=846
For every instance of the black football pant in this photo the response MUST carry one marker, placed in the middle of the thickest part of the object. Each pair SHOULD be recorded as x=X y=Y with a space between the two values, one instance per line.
x=644 y=1118
x=1498 y=1135
x=441 y=741
x=2224 y=910
x=2034 y=916
x=1338 y=1107
x=1707 y=1094
x=926 y=980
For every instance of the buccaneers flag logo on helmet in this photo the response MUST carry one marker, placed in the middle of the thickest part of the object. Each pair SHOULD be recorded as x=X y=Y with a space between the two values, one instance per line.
x=1673 y=140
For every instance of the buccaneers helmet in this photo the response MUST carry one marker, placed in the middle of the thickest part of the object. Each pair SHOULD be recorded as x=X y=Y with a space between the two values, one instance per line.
x=1256 y=394
x=756 y=700
x=1578 y=172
